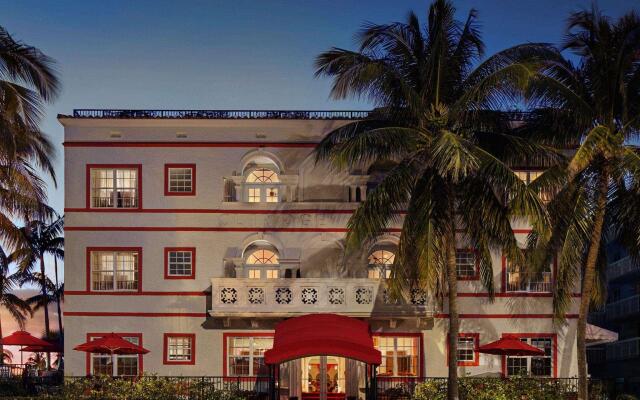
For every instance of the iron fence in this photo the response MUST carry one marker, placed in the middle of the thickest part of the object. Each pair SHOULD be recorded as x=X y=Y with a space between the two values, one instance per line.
x=220 y=114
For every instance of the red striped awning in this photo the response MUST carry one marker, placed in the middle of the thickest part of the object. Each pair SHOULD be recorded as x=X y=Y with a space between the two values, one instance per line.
x=322 y=335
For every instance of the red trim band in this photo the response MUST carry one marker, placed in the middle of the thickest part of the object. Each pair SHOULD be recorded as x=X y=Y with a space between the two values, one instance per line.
x=202 y=229
x=208 y=211
x=141 y=293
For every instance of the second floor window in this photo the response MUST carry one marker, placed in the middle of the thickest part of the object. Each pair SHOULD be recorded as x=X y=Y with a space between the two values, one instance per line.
x=114 y=270
x=518 y=280
x=179 y=263
x=380 y=263
x=262 y=186
x=180 y=180
x=114 y=188
x=466 y=264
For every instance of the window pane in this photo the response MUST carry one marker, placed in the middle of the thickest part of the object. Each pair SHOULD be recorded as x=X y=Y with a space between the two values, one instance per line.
x=180 y=180
x=180 y=263
x=262 y=256
x=399 y=355
x=127 y=365
x=114 y=188
x=272 y=195
x=246 y=355
x=101 y=188
x=102 y=270
x=254 y=274
x=127 y=271
x=126 y=188
x=179 y=348
x=516 y=366
x=518 y=282
x=262 y=175
x=465 y=263
x=466 y=349
x=254 y=195
x=272 y=274
x=101 y=364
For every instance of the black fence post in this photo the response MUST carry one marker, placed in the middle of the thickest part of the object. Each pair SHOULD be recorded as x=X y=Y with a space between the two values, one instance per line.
x=374 y=383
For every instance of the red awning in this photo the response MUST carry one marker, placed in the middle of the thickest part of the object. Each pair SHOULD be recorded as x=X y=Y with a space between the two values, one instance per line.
x=322 y=335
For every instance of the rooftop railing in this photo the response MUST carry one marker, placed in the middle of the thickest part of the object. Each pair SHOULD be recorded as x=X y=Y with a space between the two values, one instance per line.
x=218 y=114
x=622 y=267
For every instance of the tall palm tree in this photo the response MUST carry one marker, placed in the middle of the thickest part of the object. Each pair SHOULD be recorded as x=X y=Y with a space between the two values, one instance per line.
x=450 y=157
x=594 y=107
x=40 y=239
x=55 y=294
x=27 y=81
x=17 y=308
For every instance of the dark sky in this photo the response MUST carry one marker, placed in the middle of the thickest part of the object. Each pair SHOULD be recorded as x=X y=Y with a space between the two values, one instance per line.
x=235 y=54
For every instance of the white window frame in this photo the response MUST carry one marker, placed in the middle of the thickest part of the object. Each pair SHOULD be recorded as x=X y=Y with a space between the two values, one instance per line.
x=376 y=270
x=463 y=345
x=189 y=346
x=136 y=271
x=115 y=357
x=135 y=200
x=395 y=354
x=263 y=192
x=530 y=286
x=190 y=181
x=529 y=359
x=191 y=257
x=474 y=264
x=251 y=356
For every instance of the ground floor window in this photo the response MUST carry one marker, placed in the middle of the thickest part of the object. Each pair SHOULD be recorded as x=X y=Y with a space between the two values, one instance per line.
x=179 y=348
x=116 y=365
x=245 y=355
x=534 y=366
x=468 y=349
x=400 y=355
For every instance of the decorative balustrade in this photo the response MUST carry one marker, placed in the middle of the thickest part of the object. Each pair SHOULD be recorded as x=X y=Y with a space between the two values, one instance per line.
x=624 y=349
x=219 y=114
x=621 y=268
x=623 y=308
x=286 y=297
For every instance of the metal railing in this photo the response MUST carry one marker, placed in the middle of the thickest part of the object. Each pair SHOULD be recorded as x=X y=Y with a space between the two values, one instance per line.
x=622 y=267
x=623 y=308
x=624 y=349
x=220 y=114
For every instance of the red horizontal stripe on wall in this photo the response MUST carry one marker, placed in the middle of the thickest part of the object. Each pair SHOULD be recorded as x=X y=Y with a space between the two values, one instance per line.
x=508 y=294
x=202 y=229
x=507 y=316
x=130 y=314
x=143 y=293
x=208 y=211
x=189 y=144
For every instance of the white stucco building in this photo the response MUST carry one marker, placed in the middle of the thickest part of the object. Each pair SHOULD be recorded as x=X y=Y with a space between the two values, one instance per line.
x=195 y=233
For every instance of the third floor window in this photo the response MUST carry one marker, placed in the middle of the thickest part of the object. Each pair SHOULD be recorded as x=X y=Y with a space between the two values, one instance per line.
x=115 y=187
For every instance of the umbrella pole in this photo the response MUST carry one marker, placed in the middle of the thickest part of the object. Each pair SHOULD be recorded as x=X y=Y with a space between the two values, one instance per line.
x=21 y=362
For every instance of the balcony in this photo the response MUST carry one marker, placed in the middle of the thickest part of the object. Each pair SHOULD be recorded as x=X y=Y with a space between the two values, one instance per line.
x=356 y=297
x=621 y=268
x=623 y=308
x=624 y=349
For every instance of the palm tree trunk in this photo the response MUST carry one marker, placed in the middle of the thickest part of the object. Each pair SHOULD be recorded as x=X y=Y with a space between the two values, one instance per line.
x=43 y=284
x=55 y=265
x=454 y=320
x=1 y=346
x=587 y=285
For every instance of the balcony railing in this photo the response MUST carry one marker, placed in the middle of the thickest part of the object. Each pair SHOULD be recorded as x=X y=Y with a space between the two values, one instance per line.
x=622 y=267
x=624 y=349
x=624 y=308
x=219 y=114
x=286 y=297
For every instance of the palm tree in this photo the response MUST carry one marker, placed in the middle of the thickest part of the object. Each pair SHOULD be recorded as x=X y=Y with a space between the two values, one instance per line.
x=27 y=82
x=17 y=308
x=449 y=155
x=55 y=294
x=7 y=356
x=594 y=107
x=40 y=239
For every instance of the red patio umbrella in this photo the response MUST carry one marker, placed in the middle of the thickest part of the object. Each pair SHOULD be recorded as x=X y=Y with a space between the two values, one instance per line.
x=23 y=338
x=52 y=347
x=111 y=344
x=510 y=346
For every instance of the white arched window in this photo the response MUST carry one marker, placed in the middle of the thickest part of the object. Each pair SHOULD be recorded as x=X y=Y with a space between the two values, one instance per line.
x=380 y=263
x=262 y=261
x=262 y=186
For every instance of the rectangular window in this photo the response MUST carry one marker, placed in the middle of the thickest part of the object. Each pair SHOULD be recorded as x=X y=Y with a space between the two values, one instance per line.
x=116 y=365
x=114 y=187
x=272 y=274
x=540 y=366
x=399 y=355
x=254 y=195
x=245 y=355
x=115 y=270
x=180 y=262
x=518 y=281
x=530 y=176
x=179 y=348
x=272 y=195
x=179 y=179
x=466 y=264
x=254 y=274
x=468 y=344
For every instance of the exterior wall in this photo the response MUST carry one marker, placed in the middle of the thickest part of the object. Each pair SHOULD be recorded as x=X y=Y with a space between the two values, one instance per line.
x=308 y=230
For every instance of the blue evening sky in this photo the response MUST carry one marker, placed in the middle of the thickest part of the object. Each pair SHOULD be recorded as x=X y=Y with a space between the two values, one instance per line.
x=236 y=54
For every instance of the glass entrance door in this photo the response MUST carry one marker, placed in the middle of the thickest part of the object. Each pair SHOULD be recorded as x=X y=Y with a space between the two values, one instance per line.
x=323 y=378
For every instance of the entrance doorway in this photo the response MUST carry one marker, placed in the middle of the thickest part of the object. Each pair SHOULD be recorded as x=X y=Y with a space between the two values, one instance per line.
x=323 y=378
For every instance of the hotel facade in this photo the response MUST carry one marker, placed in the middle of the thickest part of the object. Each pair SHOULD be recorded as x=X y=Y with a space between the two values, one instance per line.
x=195 y=233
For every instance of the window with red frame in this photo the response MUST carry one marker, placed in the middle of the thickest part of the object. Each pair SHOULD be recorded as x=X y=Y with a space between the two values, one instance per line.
x=468 y=349
x=400 y=355
x=179 y=348
x=245 y=355
x=116 y=364
x=541 y=366
x=180 y=262
x=114 y=270
x=180 y=180
x=114 y=187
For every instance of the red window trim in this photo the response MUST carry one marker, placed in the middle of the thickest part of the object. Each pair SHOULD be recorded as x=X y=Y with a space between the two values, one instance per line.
x=165 y=351
x=554 y=349
x=166 y=180
x=503 y=283
x=111 y=248
x=100 y=334
x=477 y=260
x=167 y=250
x=225 y=347
x=476 y=353
x=421 y=349
x=115 y=166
